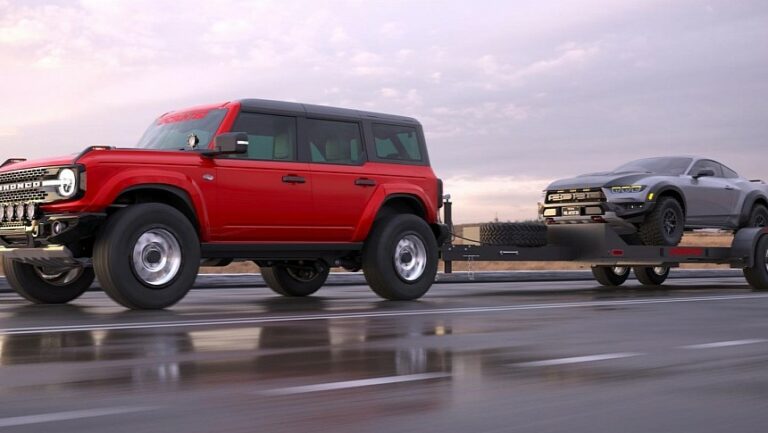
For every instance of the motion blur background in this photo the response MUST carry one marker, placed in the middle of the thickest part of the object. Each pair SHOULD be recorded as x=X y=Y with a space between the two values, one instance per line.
x=512 y=94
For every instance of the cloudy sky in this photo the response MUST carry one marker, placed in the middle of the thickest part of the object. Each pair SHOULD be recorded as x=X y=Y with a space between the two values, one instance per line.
x=512 y=94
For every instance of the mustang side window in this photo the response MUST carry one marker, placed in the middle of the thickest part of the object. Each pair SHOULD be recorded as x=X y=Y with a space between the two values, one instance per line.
x=270 y=137
x=399 y=143
x=706 y=164
x=333 y=142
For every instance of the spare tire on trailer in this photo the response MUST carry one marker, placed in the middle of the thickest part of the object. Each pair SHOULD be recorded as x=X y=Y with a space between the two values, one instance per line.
x=517 y=234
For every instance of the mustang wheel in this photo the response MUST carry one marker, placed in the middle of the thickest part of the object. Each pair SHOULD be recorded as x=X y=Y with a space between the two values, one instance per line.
x=610 y=276
x=400 y=258
x=47 y=286
x=147 y=256
x=295 y=280
x=664 y=225
x=758 y=217
x=651 y=275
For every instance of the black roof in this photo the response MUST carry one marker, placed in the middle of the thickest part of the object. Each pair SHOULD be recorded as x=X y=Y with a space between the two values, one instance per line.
x=319 y=111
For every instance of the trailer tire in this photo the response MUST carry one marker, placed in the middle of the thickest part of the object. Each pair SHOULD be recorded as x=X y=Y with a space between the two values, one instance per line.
x=516 y=234
x=757 y=275
x=35 y=285
x=651 y=275
x=610 y=276
x=295 y=281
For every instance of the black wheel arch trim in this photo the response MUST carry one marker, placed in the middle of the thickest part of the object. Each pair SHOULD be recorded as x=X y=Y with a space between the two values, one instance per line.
x=749 y=202
x=664 y=187
x=176 y=191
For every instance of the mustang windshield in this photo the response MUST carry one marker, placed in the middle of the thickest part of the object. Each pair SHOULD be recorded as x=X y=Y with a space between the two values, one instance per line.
x=670 y=166
x=173 y=131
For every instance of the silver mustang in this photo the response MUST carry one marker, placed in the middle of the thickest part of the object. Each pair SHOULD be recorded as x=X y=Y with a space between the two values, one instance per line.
x=653 y=200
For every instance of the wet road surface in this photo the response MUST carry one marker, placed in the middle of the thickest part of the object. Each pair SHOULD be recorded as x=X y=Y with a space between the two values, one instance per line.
x=478 y=357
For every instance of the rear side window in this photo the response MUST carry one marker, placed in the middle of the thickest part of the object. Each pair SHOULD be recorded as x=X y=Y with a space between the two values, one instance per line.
x=707 y=164
x=728 y=173
x=271 y=138
x=399 y=143
x=333 y=142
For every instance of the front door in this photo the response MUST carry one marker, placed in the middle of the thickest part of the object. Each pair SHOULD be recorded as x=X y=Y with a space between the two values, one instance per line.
x=711 y=200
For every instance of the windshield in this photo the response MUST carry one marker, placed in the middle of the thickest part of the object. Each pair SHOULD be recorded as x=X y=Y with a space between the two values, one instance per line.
x=674 y=166
x=172 y=131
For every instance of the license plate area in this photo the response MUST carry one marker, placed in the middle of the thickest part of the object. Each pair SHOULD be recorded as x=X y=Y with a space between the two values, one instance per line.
x=572 y=211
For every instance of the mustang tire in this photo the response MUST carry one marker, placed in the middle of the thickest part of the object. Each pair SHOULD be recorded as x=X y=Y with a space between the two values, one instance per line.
x=517 y=234
x=758 y=217
x=610 y=276
x=147 y=256
x=664 y=225
x=651 y=275
x=400 y=257
x=288 y=280
x=46 y=287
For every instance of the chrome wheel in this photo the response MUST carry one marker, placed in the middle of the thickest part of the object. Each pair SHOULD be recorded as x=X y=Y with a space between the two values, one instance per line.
x=62 y=278
x=156 y=257
x=410 y=258
x=660 y=270
x=620 y=270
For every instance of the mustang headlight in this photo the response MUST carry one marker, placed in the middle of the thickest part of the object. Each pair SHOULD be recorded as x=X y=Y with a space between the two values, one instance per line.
x=627 y=189
x=67 y=183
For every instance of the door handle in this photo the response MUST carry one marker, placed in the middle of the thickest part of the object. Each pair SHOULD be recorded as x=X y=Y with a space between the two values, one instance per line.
x=292 y=178
x=365 y=182
x=729 y=188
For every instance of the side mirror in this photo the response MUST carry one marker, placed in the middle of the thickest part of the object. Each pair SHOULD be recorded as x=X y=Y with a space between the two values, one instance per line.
x=704 y=172
x=230 y=143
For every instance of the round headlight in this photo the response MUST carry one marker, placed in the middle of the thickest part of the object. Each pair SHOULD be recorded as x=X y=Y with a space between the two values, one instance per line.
x=68 y=180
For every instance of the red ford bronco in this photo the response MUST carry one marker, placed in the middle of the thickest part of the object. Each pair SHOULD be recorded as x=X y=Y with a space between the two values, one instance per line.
x=296 y=188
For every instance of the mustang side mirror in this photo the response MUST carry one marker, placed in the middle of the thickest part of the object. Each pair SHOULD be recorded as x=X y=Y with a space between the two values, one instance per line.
x=230 y=143
x=704 y=172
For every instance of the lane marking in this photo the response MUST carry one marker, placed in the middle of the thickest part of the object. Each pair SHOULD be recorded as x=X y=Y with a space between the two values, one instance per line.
x=719 y=344
x=332 y=386
x=577 y=359
x=422 y=312
x=66 y=416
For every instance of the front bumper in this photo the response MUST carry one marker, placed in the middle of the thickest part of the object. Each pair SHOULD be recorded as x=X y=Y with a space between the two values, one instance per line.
x=49 y=230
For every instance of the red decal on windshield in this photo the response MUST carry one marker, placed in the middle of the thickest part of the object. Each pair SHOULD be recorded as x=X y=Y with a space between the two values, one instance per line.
x=183 y=116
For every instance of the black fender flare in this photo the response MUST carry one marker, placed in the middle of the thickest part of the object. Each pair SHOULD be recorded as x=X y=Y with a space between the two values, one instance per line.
x=746 y=207
x=662 y=187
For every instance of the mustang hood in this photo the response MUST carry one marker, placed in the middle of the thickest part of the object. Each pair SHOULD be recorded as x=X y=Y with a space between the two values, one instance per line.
x=598 y=180
x=42 y=162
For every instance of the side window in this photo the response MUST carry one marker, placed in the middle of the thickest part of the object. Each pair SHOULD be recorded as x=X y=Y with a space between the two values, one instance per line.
x=334 y=142
x=728 y=173
x=399 y=143
x=270 y=138
x=707 y=164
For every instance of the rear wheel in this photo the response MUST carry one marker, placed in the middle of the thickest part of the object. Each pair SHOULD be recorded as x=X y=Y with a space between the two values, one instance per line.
x=47 y=286
x=400 y=257
x=758 y=217
x=664 y=225
x=300 y=279
x=651 y=275
x=610 y=276
x=147 y=256
x=757 y=275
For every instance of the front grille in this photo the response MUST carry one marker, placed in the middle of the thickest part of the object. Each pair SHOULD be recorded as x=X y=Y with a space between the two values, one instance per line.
x=23 y=175
x=583 y=195
x=22 y=196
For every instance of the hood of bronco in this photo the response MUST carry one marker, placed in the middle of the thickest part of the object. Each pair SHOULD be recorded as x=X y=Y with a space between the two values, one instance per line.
x=39 y=163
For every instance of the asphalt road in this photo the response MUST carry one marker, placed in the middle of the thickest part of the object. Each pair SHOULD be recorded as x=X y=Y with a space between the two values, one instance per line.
x=476 y=357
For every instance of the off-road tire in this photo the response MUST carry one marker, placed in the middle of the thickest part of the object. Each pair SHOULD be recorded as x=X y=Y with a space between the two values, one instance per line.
x=653 y=232
x=379 y=257
x=287 y=281
x=758 y=216
x=113 y=250
x=27 y=282
x=648 y=276
x=757 y=275
x=607 y=276
x=515 y=234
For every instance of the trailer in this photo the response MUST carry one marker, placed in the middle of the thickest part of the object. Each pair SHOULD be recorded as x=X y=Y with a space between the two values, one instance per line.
x=611 y=257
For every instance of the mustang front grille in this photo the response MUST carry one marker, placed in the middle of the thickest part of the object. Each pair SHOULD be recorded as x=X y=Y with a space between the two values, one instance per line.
x=585 y=195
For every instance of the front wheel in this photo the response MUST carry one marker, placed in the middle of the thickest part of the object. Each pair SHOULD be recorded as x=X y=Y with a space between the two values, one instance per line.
x=758 y=217
x=147 y=256
x=651 y=275
x=296 y=280
x=47 y=286
x=664 y=225
x=400 y=258
x=610 y=276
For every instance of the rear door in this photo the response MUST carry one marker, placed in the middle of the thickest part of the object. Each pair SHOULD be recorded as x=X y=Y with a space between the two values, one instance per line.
x=341 y=185
x=265 y=195
x=710 y=200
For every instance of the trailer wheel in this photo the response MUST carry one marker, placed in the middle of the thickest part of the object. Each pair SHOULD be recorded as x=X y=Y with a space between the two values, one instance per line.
x=400 y=258
x=757 y=275
x=295 y=280
x=651 y=275
x=517 y=234
x=610 y=276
